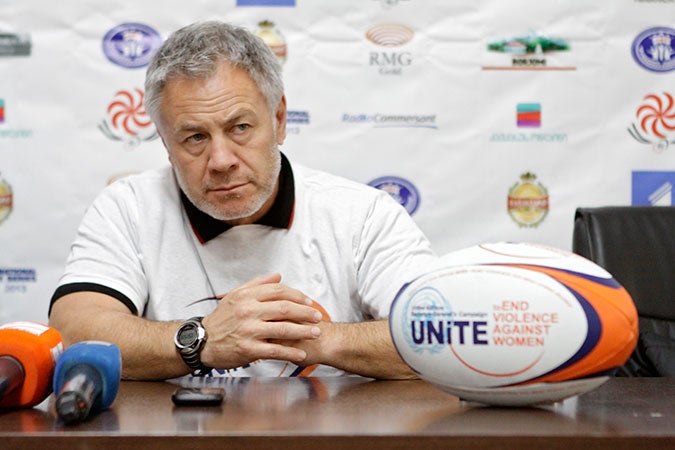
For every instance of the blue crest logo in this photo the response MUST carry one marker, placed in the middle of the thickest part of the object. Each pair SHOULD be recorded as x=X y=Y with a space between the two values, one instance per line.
x=425 y=308
x=401 y=190
x=131 y=45
x=653 y=49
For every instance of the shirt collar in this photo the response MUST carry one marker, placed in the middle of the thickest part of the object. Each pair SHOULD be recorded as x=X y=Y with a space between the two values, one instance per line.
x=280 y=214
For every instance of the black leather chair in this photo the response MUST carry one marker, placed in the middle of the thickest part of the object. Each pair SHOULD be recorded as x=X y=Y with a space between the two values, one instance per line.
x=636 y=244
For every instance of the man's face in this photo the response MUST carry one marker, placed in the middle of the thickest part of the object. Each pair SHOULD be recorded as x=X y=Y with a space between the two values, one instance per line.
x=222 y=141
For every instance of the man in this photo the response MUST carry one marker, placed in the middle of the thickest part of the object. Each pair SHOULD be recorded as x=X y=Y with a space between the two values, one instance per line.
x=209 y=238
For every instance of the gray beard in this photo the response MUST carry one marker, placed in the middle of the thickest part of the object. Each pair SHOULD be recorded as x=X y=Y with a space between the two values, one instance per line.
x=253 y=207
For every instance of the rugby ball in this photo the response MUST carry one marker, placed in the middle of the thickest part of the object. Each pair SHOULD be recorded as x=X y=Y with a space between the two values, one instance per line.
x=514 y=324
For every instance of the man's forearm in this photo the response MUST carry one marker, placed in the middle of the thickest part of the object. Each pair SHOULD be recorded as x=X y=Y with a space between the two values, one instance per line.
x=147 y=348
x=363 y=348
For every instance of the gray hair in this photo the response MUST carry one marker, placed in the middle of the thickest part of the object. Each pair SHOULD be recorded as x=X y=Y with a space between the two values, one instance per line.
x=195 y=51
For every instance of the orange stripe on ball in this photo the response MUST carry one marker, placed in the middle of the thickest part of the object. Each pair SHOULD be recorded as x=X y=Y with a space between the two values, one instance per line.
x=618 y=317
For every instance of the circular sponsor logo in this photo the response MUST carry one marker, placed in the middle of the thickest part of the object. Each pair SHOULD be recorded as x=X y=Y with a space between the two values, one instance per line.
x=6 y=200
x=401 y=190
x=127 y=119
x=653 y=49
x=528 y=201
x=390 y=34
x=131 y=45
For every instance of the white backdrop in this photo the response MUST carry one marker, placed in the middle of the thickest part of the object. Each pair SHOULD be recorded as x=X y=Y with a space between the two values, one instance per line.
x=482 y=135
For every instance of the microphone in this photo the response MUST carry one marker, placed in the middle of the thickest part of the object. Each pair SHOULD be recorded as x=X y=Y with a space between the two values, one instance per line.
x=28 y=354
x=86 y=380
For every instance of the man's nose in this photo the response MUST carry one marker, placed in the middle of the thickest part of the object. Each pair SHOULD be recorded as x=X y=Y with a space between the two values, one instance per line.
x=222 y=155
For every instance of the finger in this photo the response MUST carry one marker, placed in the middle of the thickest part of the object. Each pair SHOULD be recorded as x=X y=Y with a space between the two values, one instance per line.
x=277 y=291
x=289 y=331
x=281 y=352
x=282 y=310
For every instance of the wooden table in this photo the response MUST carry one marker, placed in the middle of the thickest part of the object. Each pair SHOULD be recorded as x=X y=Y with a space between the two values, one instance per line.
x=354 y=413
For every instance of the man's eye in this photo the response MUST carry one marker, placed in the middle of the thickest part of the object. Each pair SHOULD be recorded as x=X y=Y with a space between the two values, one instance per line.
x=241 y=127
x=196 y=138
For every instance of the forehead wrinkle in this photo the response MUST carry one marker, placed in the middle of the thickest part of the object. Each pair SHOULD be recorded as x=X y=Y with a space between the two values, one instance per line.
x=228 y=118
x=197 y=104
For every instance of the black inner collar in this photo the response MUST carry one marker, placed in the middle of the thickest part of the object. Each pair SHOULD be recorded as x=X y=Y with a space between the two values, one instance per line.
x=280 y=214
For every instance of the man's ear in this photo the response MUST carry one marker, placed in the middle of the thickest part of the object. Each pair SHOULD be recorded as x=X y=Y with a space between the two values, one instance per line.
x=280 y=117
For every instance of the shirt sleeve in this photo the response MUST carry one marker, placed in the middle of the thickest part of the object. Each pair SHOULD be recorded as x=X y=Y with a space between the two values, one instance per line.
x=105 y=251
x=391 y=251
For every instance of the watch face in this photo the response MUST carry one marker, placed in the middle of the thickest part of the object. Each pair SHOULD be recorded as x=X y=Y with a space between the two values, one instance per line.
x=188 y=335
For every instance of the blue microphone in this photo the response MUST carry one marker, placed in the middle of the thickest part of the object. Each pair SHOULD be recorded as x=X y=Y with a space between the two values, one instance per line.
x=86 y=379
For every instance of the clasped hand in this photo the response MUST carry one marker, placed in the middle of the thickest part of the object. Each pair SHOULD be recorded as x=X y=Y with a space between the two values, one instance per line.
x=262 y=319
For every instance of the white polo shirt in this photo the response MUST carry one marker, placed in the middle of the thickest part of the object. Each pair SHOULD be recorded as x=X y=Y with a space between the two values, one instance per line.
x=348 y=246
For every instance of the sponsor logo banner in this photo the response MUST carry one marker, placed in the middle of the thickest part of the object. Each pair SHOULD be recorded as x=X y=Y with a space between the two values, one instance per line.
x=295 y=120
x=401 y=190
x=6 y=199
x=654 y=50
x=269 y=33
x=533 y=51
x=384 y=120
x=11 y=133
x=131 y=45
x=527 y=201
x=391 y=37
x=528 y=115
x=652 y=188
x=655 y=122
x=127 y=120
x=15 y=280
x=15 y=44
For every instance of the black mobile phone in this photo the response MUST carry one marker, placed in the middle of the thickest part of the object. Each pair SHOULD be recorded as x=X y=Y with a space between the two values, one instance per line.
x=198 y=396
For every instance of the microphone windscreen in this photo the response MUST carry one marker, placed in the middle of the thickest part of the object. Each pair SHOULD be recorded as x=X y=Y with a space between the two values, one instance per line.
x=37 y=348
x=103 y=357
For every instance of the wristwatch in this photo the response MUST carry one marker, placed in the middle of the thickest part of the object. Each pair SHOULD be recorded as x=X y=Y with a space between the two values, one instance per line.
x=190 y=338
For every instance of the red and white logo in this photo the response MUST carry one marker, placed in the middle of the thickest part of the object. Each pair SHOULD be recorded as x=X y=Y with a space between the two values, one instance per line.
x=655 y=122
x=127 y=120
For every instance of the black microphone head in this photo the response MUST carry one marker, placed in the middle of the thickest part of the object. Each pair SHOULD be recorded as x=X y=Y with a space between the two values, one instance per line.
x=72 y=407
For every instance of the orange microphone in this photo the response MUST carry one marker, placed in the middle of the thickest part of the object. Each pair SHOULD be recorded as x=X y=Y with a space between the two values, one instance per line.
x=28 y=355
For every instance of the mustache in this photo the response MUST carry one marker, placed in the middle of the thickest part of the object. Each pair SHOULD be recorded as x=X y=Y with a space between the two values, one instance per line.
x=221 y=181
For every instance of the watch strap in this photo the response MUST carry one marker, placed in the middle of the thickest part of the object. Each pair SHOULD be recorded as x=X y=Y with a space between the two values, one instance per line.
x=192 y=356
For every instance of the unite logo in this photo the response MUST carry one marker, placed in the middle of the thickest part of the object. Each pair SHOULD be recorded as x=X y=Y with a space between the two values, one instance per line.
x=127 y=120
x=391 y=36
x=655 y=122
